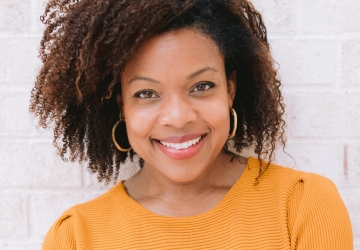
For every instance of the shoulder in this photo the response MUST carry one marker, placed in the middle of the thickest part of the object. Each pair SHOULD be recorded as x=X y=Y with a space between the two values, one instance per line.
x=285 y=176
x=310 y=188
x=61 y=235
x=303 y=185
x=277 y=176
x=316 y=215
x=74 y=225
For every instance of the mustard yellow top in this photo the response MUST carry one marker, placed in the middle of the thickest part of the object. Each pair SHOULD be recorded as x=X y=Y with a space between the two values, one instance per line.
x=287 y=209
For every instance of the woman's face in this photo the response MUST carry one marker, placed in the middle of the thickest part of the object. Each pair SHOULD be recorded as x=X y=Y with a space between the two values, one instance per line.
x=175 y=101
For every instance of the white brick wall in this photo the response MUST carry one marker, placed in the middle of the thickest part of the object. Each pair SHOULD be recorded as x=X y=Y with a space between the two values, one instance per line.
x=316 y=43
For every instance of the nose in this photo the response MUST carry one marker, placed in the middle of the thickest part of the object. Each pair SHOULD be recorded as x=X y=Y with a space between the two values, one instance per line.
x=177 y=112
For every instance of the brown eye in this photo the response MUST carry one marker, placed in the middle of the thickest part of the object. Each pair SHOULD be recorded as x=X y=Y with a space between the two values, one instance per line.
x=145 y=94
x=203 y=86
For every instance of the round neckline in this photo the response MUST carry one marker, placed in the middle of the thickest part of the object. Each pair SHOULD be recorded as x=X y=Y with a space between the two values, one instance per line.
x=142 y=210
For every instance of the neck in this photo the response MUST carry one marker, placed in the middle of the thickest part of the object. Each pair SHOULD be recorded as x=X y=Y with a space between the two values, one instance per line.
x=164 y=196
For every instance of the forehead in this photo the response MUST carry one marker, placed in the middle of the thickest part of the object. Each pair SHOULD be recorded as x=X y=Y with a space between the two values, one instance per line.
x=175 y=52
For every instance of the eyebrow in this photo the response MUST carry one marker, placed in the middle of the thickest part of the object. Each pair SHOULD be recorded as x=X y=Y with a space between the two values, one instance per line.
x=199 y=72
x=192 y=75
x=135 y=78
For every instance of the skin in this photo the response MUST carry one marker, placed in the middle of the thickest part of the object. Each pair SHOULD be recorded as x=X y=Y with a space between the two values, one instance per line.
x=175 y=88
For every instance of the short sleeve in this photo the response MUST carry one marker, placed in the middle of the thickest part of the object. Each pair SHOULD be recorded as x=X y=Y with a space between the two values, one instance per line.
x=317 y=216
x=61 y=235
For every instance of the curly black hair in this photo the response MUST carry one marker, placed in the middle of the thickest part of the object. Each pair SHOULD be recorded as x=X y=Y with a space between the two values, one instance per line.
x=87 y=43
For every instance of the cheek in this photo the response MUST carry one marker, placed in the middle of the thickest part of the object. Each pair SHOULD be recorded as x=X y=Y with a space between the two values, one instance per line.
x=216 y=114
x=136 y=119
x=138 y=126
x=223 y=123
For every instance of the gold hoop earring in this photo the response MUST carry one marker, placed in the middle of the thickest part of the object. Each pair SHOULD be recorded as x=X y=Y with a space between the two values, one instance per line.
x=114 y=139
x=233 y=112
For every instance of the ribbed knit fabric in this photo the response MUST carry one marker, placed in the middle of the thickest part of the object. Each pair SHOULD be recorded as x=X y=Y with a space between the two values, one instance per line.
x=287 y=209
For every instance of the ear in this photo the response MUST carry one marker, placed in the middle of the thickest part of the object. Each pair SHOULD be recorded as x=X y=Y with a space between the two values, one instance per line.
x=231 y=88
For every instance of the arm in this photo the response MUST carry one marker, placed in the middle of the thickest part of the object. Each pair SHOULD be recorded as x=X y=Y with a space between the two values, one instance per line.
x=317 y=216
x=61 y=235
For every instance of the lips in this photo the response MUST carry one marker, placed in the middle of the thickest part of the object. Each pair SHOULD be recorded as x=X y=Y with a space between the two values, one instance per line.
x=183 y=147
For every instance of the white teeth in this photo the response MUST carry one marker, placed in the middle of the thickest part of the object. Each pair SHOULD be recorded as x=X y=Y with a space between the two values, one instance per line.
x=183 y=145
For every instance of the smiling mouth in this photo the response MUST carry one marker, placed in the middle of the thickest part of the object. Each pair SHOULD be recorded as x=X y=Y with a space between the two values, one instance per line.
x=183 y=145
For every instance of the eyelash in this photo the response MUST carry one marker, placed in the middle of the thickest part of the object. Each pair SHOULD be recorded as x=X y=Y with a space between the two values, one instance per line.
x=208 y=85
x=142 y=92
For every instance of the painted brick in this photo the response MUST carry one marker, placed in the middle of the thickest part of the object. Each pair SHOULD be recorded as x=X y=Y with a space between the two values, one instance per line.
x=351 y=62
x=19 y=247
x=352 y=166
x=324 y=115
x=327 y=161
x=40 y=132
x=13 y=215
x=330 y=16
x=348 y=16
x=323 y=159
x=50 y=206
x=14 y=15
x=36 y=165
x=279 y=15
x=14 y=114
x=40 y=7
x=351 y=115
x=314 y=115
x=19 y=61
x=305 y=61
x=319 y=15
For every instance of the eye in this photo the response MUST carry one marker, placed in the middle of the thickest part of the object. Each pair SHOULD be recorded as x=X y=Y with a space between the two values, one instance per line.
x=145 y=94
x=203 y=86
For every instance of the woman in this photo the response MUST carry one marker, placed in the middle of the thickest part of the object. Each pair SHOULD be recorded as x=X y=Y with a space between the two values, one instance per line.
x=176 y=82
